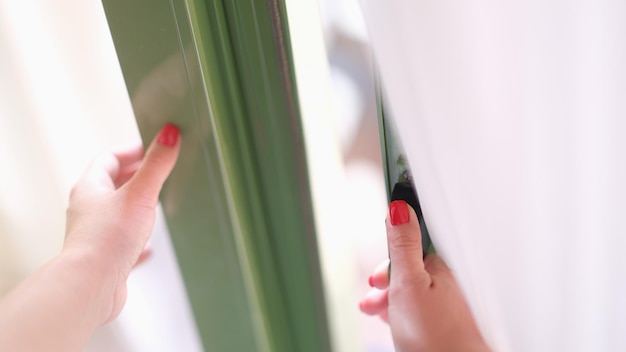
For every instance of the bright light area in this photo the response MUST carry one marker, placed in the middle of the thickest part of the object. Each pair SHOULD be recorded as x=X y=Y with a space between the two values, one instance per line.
x=63 y=100
x=337 y=98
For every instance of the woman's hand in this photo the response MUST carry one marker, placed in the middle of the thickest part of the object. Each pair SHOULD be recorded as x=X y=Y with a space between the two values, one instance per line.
x=109 y=221
x=112 y=210
x=422 y=302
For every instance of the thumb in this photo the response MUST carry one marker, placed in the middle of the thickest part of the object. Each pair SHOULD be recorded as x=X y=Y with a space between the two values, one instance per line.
x=405 y=244
x=156 y=166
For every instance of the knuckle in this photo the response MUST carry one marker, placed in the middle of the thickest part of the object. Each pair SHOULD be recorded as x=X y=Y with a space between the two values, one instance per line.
x=156 y=160
x=141 y=198
x=404 y=239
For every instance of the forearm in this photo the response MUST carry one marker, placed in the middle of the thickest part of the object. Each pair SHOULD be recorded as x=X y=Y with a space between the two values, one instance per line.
x=57 y=308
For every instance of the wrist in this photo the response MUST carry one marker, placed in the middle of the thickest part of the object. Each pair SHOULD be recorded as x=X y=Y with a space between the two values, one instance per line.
x=89 y=282
x=61 y=304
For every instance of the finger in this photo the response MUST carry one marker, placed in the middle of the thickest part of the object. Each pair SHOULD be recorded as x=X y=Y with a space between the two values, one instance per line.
x=129 y=160
x=146 y=253
x=98 y=177
x=126 y=173
x=380 y=277
x=103 y=174
x=157 y=164
x=405 y=243
x=384 y=316
x=375 y=302
x=129 y=156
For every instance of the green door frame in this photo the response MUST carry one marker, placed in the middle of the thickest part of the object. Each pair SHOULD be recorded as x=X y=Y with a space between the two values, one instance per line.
x=238 y=204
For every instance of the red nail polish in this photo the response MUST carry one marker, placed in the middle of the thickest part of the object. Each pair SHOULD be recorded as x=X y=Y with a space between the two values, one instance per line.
x=371 y=281
x=168 y=135
x=398 y=212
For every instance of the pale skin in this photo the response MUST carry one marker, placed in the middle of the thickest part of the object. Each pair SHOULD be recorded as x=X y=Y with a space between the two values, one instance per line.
x=109 y=220
x=422 y=302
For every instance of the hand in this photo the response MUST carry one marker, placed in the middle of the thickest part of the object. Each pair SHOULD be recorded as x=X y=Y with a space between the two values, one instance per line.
x=112 y=211
x=109 y=221
x=422 y=302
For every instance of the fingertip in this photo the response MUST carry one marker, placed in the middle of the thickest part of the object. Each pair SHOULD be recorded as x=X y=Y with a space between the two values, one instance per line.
x=384 y=316
x=169 y=135
x=380 y=277
x=399 y=213
x=146 y=254
x=127 y=155
x=98 y=177
x=374 y=302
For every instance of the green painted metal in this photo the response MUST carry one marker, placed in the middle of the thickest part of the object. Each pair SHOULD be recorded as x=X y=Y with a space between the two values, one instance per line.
x=238 y=203
x=395 y=164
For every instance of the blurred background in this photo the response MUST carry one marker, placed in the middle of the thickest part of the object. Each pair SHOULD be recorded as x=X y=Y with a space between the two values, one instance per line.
x=63 y=100
x=353 y=98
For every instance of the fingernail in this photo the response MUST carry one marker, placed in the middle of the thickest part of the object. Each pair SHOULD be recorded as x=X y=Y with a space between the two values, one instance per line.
x=168 y=135
x=398 y=212
x=371 y=281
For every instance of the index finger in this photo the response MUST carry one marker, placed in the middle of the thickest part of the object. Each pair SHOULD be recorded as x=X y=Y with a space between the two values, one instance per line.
x=129 y=156
x=98 y=177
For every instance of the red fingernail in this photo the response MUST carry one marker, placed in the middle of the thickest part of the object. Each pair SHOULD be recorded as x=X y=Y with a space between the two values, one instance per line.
x=169 y=135
x=398 y=212
x=371 y=281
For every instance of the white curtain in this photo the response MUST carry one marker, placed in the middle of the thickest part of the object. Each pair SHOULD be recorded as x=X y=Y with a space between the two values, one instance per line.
x=513 y=115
